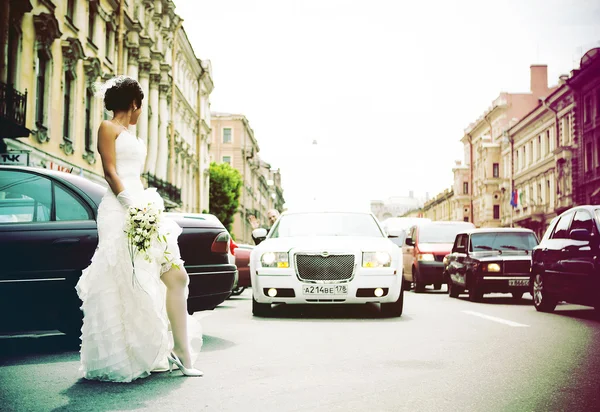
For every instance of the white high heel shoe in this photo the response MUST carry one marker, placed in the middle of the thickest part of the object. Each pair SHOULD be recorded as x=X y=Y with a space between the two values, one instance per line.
x=174 y=360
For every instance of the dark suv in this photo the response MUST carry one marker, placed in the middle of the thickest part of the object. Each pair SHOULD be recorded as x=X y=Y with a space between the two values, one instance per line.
x=566 y=264
x=490 y=260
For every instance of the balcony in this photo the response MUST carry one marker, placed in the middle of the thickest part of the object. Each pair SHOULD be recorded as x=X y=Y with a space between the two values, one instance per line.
x=170 y=194
x=13 y=107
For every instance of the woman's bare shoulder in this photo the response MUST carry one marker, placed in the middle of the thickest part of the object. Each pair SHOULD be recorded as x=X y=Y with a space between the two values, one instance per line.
x=108 y=129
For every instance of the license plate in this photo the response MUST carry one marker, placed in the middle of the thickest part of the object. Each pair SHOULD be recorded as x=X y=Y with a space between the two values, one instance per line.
x=325 y=289
x=518 y=282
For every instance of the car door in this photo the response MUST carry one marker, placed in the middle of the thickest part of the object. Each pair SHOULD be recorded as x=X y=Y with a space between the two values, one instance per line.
x=407 y=255
x=552 y=255
x=578 y=260
x=460 y=253
x=47 y=235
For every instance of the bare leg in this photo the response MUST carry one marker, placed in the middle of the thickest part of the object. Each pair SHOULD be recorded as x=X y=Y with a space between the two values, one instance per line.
x=176 y=281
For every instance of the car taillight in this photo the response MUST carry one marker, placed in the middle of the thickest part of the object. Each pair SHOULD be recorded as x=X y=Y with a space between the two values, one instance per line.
x=232 y=246
x=221 y=243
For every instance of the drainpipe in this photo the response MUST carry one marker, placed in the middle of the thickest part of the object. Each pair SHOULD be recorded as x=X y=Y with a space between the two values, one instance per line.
x=172 y=137
x=120 y=65
x=200 y=174
x=512 y=176
x=471 y=175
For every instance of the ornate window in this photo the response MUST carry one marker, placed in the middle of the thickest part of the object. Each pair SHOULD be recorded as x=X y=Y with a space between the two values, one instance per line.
x=92 y=20
x=92 y=71
x=72 y=53
x=71 y=10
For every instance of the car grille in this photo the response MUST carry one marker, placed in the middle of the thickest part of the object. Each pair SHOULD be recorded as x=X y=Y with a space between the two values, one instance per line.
x=317 y=267
x=517 y=266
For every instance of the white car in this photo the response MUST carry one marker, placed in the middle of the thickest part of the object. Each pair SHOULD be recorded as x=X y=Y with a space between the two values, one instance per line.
x=324 y=258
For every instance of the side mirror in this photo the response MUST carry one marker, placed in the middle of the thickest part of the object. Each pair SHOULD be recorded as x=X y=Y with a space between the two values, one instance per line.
x=409 y=241
x=580 y=234
x=259 y=235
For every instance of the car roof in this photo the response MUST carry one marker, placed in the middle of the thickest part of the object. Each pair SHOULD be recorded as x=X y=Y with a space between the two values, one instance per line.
x=497 y=230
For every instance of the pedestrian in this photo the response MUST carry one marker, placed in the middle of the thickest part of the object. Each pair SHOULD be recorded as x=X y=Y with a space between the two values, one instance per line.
x=135 y=317
x=272 y=216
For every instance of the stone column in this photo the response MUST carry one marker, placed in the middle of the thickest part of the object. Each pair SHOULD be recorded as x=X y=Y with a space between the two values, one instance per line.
x=153 y=125
x=144 y=78
x=133 y=54
x=163 y=143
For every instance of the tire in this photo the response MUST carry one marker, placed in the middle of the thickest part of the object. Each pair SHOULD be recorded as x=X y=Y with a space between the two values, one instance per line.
x=419 y=287
x=453 y=290
x=517 y=295
x=393 y=309
x=542 y=301
x=262 y=310
x=437 y=286
x=238 y=291
x=406 y=285
x=475 y=293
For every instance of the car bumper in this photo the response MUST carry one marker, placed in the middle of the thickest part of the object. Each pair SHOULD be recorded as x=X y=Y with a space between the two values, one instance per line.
x=504 y=283
x=359 y=290
x=209 y=285
x=431 y=272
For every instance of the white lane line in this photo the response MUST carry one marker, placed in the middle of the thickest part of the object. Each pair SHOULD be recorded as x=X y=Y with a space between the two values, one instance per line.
x=495 y=319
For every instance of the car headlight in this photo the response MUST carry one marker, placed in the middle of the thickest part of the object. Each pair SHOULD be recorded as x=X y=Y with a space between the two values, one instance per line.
x=275 y=260
x=376 y=260
x=491 y=267
x=445 y=260
x=426 y=257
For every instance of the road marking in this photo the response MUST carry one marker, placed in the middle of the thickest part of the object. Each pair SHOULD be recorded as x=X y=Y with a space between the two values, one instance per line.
x=495 y=319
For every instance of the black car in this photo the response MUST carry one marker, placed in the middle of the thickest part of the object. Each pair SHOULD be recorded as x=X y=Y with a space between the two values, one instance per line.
x=490 y=260
x=48 y=235
x=566 y=264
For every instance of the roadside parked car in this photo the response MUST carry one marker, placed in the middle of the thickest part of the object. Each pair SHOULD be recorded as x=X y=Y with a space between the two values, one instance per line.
x=490 y=260
x=324 y=258
x=48 y=234
x=242 y=262
x=426 y=246
x=566 y=263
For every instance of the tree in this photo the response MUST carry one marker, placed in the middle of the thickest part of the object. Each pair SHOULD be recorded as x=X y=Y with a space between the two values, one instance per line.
x=224 y=192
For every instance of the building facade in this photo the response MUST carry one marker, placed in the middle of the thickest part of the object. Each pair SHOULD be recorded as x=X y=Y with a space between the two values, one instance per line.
x=586 y=84
x=396 y=206
x=537 y=163
x=233 y=142
x=440 y=207
x=482 y=146
x=61 y=49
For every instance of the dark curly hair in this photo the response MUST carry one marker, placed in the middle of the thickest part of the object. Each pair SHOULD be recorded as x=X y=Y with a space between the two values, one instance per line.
x=122 y=94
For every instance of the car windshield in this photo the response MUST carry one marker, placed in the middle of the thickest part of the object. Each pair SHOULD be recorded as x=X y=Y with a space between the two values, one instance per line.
x=326 y=224
x=445 y=233
x=503 y=241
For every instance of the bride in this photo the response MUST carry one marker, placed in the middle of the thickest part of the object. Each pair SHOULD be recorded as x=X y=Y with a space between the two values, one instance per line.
x=131 y=328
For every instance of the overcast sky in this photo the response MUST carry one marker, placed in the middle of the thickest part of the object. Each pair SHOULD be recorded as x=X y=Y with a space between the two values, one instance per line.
x=386 y=88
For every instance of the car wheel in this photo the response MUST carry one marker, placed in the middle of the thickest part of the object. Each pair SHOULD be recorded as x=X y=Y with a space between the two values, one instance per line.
x=475 y=293
x=517 y=295
x=238 y=291
x=437 y=286
x=393 y=309
x=406 y=285
x=453 y=290
x=419 y=287
x=263 y=310
x=542 y=301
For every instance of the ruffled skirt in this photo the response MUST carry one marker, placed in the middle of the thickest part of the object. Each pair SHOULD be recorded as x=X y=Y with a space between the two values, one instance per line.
x=125 y=333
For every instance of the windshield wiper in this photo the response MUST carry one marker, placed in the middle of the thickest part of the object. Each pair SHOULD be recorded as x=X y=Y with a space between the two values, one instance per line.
x=484 y=247
x=511 y=247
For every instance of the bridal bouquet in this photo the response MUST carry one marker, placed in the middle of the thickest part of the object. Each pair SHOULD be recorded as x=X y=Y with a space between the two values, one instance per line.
x=141 y=228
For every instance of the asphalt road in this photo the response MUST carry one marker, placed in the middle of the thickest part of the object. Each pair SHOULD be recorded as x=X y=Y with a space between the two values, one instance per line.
x=443 y=354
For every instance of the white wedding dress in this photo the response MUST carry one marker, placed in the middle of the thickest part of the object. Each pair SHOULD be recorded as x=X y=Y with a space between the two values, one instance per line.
x=125 y=333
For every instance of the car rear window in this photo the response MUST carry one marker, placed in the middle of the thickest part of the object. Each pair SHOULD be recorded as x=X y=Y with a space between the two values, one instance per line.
x=444 y=233
x=503 y=241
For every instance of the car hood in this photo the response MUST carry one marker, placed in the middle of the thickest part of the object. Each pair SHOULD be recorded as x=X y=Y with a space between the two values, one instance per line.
x=500 y=257
x=437 y=248
x=331 y=244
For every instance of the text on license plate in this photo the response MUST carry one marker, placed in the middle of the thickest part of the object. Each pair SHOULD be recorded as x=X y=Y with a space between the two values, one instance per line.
x=518 y=282
x=325 y=289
